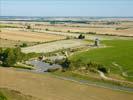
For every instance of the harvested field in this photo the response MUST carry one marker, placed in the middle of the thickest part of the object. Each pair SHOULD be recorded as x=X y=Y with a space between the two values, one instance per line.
x=53 y=46
x=28 y=36
x=6 y=94
x=98 y=30
x=87 y=36
x=45 y=87
x=124 y=28
x=12 y=43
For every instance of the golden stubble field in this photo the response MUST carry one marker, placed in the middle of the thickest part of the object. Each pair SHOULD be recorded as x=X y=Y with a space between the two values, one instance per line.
x=98 y=30
x=17 y=35
x=47 y=87
x=11 y=43
x=124 y=28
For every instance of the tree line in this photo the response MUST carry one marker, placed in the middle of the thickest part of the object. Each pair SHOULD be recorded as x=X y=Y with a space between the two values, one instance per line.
x=10 y=56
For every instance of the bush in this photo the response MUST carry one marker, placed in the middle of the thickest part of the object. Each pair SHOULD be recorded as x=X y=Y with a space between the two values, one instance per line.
x=1 y=52
x=92 y=65
x=96 y=66
x=65 y=63
x=81 y=36
x=102 y=69
x=68 y=31
x=68 y=37
x=46 y=29
x=28 y=27
x=24 y=45
x=91 y=32
x=54 y=69
x=2 y=97
x=121 y=28
x=10 y=56
x=77 y=64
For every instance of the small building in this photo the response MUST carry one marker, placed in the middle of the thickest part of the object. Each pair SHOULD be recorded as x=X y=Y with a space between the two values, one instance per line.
x=96 y=42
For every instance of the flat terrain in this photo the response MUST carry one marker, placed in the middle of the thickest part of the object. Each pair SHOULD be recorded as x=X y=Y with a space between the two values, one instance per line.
x=45 y=87
x=13 y=34
x=117 y=57
x=99 y=29
x=111 y=27
x=53 y=46
x=7 y=94
x=12 y=43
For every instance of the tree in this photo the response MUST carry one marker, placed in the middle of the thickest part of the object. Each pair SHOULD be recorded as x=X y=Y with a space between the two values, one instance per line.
x=28 y=27
x=9 y=59
x=46 y=29
x=66 y=63
x=1 y=50
x=53 y=22
x=2 y=97
x=81 y=36
x=24 y=45
x=68 y=31
x=10 y=56
x=102 y=69
x=1 y=54
x=18 y=54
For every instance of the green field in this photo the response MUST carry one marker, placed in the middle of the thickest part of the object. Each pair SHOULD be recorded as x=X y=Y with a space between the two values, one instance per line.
x=117 y=56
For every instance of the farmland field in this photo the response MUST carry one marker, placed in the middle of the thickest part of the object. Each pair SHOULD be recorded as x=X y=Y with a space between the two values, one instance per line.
x=66 y=49
x=114 y=27
x=16 y=35
x=6 y=94
x=5 y=43
x=117 y=57
x=57 y=43
x=54 y=46
x=45 y=87
x=99 y=29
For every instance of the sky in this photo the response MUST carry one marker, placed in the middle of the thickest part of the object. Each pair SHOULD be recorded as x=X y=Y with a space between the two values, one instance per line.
x=66 y=8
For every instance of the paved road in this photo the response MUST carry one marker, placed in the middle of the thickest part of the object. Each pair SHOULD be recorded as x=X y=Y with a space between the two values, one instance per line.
x=41 y=67
x=112 y=79
x=41 y=70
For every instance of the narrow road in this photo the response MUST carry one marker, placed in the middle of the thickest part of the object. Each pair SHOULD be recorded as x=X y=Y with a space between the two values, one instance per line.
x=112 y=79
x=86 y=82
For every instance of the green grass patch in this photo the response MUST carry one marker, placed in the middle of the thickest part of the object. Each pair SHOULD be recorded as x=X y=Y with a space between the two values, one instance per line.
x=119 y=52
x=23 y=67
x=90 y=79
x=2 y=96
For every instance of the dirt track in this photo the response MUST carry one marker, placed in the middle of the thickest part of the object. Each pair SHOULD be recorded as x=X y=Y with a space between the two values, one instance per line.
x=46 y=87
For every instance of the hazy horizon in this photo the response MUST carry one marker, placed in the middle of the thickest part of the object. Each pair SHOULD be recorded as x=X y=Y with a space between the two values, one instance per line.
x=62 y=8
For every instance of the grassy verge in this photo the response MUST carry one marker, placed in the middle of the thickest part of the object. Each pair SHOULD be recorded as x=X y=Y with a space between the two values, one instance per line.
x=2 y=97
x=90 y=79
x=23 y=66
